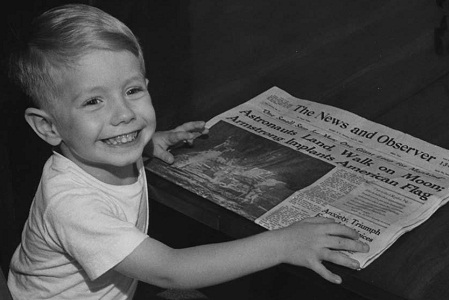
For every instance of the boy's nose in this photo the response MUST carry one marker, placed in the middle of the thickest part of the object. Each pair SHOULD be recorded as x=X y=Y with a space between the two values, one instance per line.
x=123 y=112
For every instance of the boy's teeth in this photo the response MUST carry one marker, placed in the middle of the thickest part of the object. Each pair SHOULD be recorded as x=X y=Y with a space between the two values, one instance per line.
x=121 y=139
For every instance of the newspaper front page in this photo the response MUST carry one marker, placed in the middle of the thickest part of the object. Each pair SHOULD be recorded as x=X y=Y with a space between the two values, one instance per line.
x=383 y=183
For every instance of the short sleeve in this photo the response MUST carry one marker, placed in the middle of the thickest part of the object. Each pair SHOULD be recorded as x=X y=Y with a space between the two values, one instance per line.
x=92 y=231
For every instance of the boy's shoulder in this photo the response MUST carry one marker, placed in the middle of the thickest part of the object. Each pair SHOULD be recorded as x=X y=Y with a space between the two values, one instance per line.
x=66 y=188
x=61 y=175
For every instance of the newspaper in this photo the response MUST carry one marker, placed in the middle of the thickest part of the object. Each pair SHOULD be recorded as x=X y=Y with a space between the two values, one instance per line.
x=277 y=159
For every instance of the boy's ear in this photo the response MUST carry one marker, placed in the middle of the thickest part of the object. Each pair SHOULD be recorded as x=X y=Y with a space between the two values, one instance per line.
x=43 y=125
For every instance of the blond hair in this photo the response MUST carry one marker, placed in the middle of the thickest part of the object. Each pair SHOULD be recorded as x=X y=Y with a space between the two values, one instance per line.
x=58 y=39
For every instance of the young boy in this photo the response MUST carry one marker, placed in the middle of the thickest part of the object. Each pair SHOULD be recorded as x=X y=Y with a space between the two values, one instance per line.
x=85 y=237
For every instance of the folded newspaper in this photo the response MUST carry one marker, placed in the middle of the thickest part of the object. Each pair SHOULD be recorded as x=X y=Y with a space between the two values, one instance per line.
x=277 y=159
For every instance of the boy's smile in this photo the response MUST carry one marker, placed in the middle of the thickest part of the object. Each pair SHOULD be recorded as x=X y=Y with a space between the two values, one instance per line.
x=105 y=116
x=122 y=139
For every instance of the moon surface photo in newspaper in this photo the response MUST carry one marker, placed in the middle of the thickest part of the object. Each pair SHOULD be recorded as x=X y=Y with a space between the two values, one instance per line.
x=241 y=171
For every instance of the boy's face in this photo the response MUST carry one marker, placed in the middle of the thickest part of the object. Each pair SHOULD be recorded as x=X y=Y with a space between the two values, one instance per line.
x=105 y=117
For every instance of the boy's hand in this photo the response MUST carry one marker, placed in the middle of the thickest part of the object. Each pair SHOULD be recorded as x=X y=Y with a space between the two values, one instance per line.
x=314 y=240
x=184 y=134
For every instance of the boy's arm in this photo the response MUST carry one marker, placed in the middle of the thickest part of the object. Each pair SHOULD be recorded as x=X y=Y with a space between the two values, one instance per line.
x=306 y=243
x=162 y=140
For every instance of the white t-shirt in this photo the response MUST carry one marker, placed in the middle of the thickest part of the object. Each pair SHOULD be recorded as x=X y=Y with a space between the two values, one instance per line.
x=78 y=229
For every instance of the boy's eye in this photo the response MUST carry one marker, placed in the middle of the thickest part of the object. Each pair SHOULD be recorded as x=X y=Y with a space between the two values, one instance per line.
x=134 y=90
x=92 y=101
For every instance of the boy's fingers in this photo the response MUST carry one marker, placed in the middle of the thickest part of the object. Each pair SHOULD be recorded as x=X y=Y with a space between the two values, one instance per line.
x=340 y=243
x=184 y=136
x=164 y=155
x=321 y=270
x=185 y=127
x=181 y=136
x=342 y=230
x=342 y=259
x=190 y=126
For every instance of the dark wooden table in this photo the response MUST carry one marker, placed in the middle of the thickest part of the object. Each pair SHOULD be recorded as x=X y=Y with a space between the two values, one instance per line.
x=415 y=267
